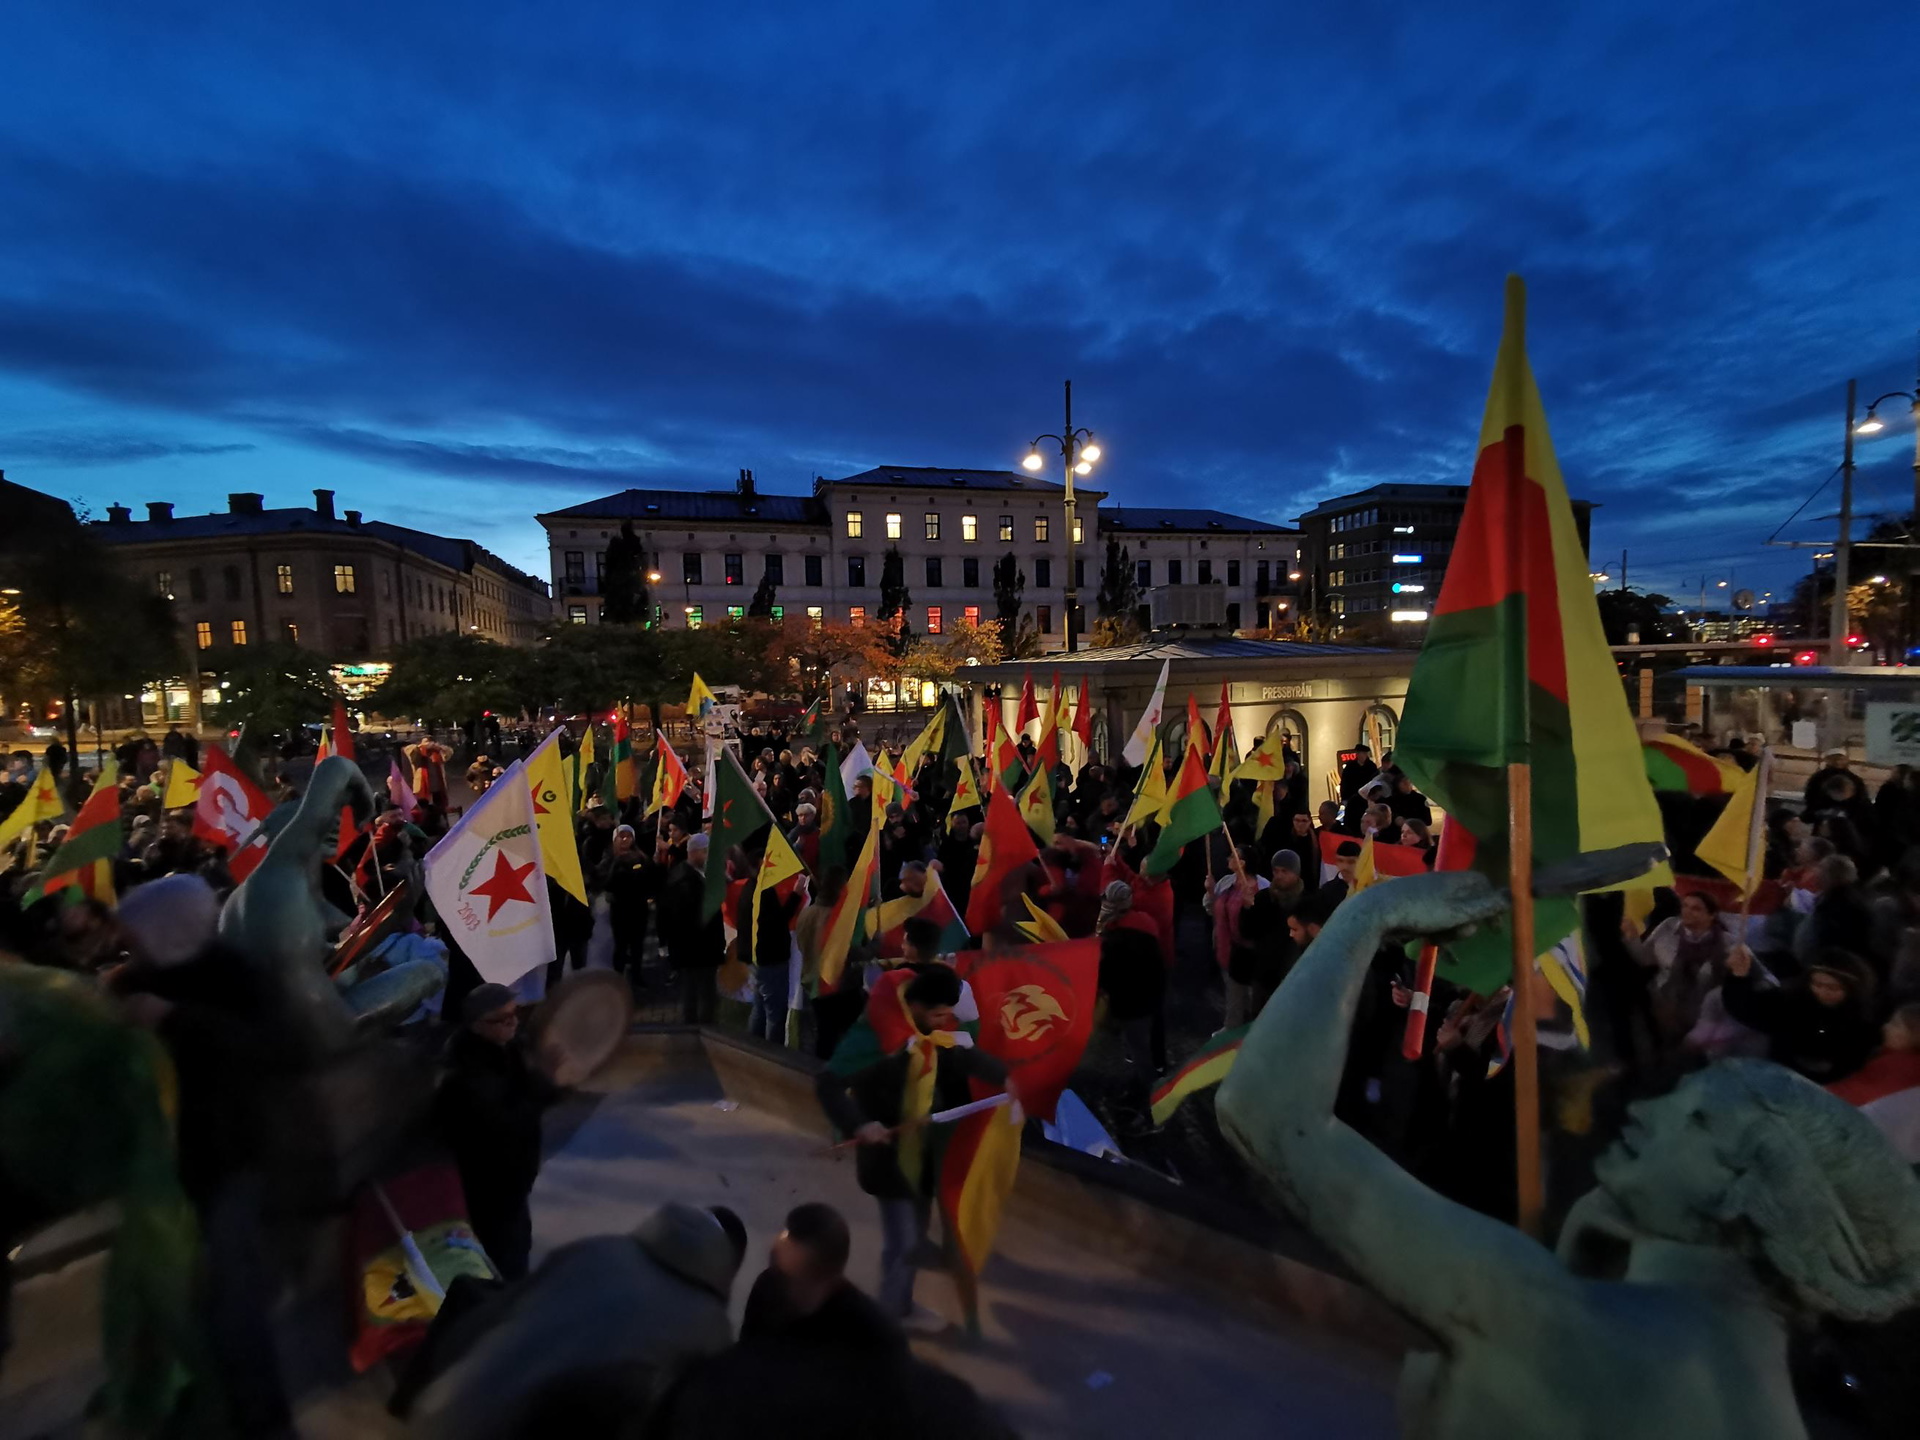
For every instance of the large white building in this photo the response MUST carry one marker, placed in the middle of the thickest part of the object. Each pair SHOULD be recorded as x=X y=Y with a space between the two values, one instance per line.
x=824 y=552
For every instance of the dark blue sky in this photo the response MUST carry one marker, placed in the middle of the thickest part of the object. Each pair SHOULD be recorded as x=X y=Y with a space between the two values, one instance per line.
x=467 y=263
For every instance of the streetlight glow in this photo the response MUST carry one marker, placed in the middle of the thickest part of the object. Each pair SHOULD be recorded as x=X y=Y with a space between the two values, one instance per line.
x=1085 y=467
x=1872 y=425
x=1033 y=460
x=1090 y=452
x=653 y=577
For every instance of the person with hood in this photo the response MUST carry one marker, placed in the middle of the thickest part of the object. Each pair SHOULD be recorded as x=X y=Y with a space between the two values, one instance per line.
x=588 y=1342
x=1818 y=1025
x=629 y=878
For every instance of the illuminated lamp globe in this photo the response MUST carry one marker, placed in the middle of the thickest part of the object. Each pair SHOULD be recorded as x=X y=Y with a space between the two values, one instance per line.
x=1872 y=425
x=1033 y=460
x=1090 y=451
x=1085 y=467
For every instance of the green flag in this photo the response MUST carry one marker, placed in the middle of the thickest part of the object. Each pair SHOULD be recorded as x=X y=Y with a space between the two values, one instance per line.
x=835 y=827
x=1191 y=812
x=738 y=811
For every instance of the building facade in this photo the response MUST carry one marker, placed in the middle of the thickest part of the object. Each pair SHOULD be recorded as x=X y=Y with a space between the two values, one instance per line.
x=344 y=585
x=1376 y=557
x=1257 y=563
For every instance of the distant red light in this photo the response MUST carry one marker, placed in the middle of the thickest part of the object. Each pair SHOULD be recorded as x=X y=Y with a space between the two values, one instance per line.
x=1806 y=657
x=1763 y=639
x=1856 y=641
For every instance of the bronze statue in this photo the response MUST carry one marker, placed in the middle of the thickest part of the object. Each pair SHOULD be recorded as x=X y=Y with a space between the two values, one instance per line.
x=1743 y=1197
x=281 y=922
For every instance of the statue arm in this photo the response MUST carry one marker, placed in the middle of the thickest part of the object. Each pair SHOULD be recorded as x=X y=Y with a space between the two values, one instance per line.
x=1443 y=1265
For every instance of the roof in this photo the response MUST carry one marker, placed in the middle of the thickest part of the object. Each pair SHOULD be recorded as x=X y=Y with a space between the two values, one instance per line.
x=1805 y=677
x=454 y=554
x=1195 y=649
x=939 y=477
x=695 y=505
x=1341 y=503
x=1136 y=517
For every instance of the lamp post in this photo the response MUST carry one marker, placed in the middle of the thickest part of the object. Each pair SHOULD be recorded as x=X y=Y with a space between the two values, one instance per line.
x=1078 y=451
x=1872 y=424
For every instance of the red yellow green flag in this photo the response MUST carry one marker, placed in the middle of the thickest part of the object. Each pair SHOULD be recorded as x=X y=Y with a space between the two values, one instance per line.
x=1678 y=765
x=669 y=776
x=843 y=921
x=1516 y=668
x=1208 y=1065
x=738 y=812
x=84 y=861
x=620 y=764
x=1192 y=811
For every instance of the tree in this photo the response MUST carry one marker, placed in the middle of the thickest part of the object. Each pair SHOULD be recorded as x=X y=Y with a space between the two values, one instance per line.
x=268 y=690
x=761 y=606
x=1009 y=582
x=449 y=678
x=1119 y=591
x=623 y=580
x=813 y=654
x=1625 y=613
x=942 y=657
x=895 y=598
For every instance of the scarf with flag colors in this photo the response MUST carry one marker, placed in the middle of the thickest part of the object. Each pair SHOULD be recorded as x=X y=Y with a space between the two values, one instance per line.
x=738 y=812
x=552 y=819
x=1036 y=804
x=1006 y=844
x=1191 y=812
x=1148 y=726
x=1379 y=862
x=84 y=861
x=1207 y=1066
x=230 y=812
x=844 y=921
x=183 y=785
x=1515 y=668
x=1029 y=710
x=41 y=802
x=886 y=923
x=1675 y=764
x=1150 y=791
x=669 y=777
x=622 y=774
x=487 y=884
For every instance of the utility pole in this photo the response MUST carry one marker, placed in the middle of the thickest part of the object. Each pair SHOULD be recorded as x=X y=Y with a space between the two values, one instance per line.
x=1843 y=544
x=1068 y=458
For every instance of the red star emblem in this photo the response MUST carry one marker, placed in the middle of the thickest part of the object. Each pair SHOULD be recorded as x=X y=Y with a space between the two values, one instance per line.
x=538 y=808
x=1265 y=760
x=508 y=882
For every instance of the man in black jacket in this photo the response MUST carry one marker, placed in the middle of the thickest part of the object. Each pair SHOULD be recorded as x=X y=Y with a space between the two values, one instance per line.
x=695 y=947
x=804 y=1297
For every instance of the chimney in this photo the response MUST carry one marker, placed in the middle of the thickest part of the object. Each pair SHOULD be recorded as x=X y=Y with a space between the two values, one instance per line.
x=746 y=485
x=118 y=514
x=323 y=502
x=160 y=511
x=353 y=518
x=245 y=502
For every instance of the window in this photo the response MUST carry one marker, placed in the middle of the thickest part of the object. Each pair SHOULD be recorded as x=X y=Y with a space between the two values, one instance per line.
x=343 y=583
x=933 y=525
x=690 y=567
x=933 y=619
x=386 y=586
x=196 y=583
x=814 y=569
x=933 y=571
x=1040 y=525
x=1233 y=572
x=230 y=579
x=857 y=571
x=736 y=612
x=971 y=614
x=238 y=629
x=293 y=631
x=857 y=616
x=1233 y=615
x=969 y=528
x=1080 y=572
x=816 y=616
x=1173 y=572
x=736 y=568
x=203 y=635
x=777 y=568
x=1006 y=527
x=970 y=573
x=1143 y=574
x=1262 y=576
x=1043 y=573
x=856 y=525
x=695 y=616
x=283 y=579
x=777 y=612
x=1205 y=572
x=893 y=525
x=1079 y=531
x=576 y=567
x=1043 y=619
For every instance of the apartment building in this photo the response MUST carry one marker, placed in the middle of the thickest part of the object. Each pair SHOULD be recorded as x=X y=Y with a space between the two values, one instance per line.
x=1257 y=562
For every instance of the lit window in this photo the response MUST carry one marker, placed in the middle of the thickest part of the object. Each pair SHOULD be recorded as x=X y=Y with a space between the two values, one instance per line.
x=969 y=528
x=239 y=630
x=856 y=525
x=576 y=614
x=816 y=616
x=857 y=616
x=971 y=614
x=1079 y=531
x=1043 y=619
x=778 y=612
x=893 y=526
x=293 y=632
x=1006 y=527
x=695 y=615
x=736 y=569
x=736 y=612
x=1040 y=527
x=933 y=619
x=933 y=525
x=343 y=580
x=203 y=635
x=283 y=579
x=165 y=582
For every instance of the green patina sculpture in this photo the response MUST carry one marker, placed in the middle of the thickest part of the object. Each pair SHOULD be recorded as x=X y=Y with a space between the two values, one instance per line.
x=280 y=921
x=1744 y=1197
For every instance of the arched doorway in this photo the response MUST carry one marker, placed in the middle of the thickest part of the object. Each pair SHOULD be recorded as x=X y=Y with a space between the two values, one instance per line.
x=1378 y=728
x=1291 y=726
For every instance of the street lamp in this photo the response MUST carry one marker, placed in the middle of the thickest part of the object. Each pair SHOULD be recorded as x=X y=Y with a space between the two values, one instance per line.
x=1078 y=451
x=1872 y=424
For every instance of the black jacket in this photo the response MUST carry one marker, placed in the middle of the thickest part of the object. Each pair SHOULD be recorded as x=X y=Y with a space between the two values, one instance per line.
x=692 y=943
x=488 y=1109
x=1131 y=971
x=877 y=1093
x=1823 y=1042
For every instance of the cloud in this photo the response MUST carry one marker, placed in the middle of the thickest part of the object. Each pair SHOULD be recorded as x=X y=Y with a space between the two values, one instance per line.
x=78 y=447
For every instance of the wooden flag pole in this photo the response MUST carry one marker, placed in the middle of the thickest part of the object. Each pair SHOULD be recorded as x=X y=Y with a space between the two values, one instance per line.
x=1526 y=1054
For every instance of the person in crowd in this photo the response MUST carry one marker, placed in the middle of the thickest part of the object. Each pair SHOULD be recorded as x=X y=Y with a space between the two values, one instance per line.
x=1354 y=774
x=764 y=922
x=1688 y=954
x=1839 y=918
x=1819 y=1024
x=1286 y=892
x=629 y=877
x=1133 y=977
x=1241 y=932
x=695 y=947
x=488 y=1110
x=958 y=851
x=804 y=1296
x=1408 y=803
x=1345 y=857
x=1820 y=792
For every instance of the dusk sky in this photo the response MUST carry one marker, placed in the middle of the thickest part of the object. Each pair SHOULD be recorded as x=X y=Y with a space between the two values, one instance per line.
x=464 y=264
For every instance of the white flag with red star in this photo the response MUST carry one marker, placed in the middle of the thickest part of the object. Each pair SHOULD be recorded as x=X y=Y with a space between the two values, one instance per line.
x=488 y=887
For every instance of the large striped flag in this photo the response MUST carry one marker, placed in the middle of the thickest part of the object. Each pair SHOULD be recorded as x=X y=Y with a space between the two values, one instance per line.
x=1675 y=764
x=886 y=922
x=1191 y=812
x=84 y=861
x=669 y=777
x=844 y=920
x=1516 y=668
x=1206 y=1066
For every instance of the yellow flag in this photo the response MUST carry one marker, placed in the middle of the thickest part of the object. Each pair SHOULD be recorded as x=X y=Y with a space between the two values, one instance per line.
x=700 y=699
x=1150 y=797
x=1263 y=806
x=1264 y=762
x=553 y=818
x=966 y=790
x=1039 y=927
x=1732 y=846
x=1365 y=871
x=42 y=802
x=777 y=865
x=183 y=786
x=1036 y=805
x=928 y=739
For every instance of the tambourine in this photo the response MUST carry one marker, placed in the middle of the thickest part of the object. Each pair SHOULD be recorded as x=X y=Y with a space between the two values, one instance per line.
x=585 y=1018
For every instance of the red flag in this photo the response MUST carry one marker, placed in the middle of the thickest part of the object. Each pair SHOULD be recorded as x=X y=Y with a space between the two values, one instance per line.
x=1083 y=717
x=229 y=813
x=1036 y=1014
x=1006 y=845
x=1029 y=707
x=1197 y=728
x=1223 y=722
